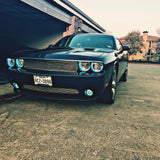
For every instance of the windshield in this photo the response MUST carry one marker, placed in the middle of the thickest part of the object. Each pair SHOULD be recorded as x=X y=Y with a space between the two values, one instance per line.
x=92 y=41
x=87 y=41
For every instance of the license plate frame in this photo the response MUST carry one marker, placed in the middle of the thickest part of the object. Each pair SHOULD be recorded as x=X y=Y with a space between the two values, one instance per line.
x=42 y=80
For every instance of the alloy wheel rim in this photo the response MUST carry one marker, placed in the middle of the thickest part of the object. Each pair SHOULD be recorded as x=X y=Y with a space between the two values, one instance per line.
x=113 y=89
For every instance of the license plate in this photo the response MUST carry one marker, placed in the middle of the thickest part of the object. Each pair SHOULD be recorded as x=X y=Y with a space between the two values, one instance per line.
x=42 y=80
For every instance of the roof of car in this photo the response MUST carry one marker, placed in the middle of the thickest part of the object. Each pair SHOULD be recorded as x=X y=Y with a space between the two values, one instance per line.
x=85 y=34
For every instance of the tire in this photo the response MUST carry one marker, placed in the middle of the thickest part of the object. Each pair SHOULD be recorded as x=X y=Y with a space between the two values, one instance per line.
x=110 y=91
x=16 y=91
x=124 y=76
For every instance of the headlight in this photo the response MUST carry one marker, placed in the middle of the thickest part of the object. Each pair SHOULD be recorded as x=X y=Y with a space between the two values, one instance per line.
x=84 y=66
x=10 y=62
x=97 y=66
x=20 y=62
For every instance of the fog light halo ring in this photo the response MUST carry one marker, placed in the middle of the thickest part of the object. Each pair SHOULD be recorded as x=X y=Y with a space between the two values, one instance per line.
x=98 y=68
x=88 y=92
x=19 y=62
x=10 y=62
x=84 y=66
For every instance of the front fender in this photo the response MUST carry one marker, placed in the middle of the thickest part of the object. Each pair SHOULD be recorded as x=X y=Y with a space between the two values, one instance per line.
x=108 y=71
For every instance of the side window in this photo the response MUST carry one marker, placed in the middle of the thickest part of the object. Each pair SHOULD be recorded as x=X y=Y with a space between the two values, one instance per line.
x=62 y=42
x=119 y=45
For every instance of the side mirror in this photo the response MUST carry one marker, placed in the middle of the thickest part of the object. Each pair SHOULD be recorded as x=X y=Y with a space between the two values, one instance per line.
x=126 y=48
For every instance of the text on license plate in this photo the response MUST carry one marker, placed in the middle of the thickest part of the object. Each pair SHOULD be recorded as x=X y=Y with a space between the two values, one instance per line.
x=43 y=80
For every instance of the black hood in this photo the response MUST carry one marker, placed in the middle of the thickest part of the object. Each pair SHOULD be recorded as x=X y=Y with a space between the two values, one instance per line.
x=67 y=54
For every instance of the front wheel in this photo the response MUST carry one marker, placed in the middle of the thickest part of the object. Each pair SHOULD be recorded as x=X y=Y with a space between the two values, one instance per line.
x=110 y=91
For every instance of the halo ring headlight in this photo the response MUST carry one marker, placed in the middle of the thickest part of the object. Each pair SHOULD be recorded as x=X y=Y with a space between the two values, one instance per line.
x=97 y=67
x=19 y=62
x=11 y=62
x=84 y=66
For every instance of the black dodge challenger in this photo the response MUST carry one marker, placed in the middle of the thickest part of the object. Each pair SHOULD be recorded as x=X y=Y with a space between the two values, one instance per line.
x=82 y=66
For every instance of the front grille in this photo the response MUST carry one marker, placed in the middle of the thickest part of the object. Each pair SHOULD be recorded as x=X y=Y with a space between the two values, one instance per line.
x=52 y=90
x=51 y=65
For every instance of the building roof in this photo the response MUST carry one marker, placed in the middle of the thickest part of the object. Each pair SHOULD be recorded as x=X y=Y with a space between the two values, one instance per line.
x=153 y=38
x=122 y=38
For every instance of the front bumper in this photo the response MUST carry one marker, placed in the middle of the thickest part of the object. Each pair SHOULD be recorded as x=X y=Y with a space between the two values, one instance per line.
x=64 y=86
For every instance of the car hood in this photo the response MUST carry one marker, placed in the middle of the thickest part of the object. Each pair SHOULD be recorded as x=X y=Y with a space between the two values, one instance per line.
x=88 y=54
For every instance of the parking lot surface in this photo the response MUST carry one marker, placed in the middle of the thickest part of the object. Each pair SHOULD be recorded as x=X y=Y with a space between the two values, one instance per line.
x=32 y=128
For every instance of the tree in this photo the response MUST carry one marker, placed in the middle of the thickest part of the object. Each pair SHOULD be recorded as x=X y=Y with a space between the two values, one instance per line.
x=135 y=41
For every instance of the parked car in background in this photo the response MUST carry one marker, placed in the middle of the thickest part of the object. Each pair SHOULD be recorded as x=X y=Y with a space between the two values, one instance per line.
x=82 y=66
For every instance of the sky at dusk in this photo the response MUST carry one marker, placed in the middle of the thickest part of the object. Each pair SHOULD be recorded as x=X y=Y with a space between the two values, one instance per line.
x=123 y=16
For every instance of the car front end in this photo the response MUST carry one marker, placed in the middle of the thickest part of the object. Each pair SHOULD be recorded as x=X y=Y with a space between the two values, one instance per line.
x=59 y=79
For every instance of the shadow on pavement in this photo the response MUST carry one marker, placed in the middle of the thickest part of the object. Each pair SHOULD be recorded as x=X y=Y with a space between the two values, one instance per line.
x=9 y=97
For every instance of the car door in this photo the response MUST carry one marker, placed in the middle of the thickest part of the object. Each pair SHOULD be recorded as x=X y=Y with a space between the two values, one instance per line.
x=122 y=59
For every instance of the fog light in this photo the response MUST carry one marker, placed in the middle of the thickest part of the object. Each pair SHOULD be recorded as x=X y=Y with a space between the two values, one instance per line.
x=15 y=85
x=88 y=92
